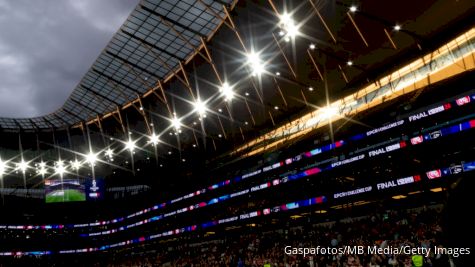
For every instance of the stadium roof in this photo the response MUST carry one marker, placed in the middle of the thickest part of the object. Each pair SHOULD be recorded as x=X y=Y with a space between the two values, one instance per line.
x=148 y=47
x=352 y=46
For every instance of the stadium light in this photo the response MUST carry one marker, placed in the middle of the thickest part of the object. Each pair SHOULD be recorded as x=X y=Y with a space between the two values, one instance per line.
x=130 y=145
x=23 y=166
x=328 y=112
x=59 y=168
x=176 y=123
x=154 y=139
x=226 y=91
x=3 y=167
x=255 y=62
x=76 y=164
x=200 y=107
x=42 y=171
x=109 y=153
x=287 y=24
x=91 y=158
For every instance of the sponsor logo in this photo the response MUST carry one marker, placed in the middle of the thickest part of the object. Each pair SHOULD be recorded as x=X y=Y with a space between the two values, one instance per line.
x=463 y=100
x=434 y=174
x=417 y=140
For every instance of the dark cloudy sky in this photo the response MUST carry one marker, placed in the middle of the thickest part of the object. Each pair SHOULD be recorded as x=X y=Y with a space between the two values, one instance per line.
x=46 y=46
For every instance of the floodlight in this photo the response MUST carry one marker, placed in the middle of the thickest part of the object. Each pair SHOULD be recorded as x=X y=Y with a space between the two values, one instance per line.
x=154 y=139
x=42 y=171
x=109 y=153
x=328 y=112
x=76 y=164
x=287 y=24
x=176 y=123
x=256 y=64
x=130 y=145
x=22 y=166
x=59 y=168
x=353 y=9
x=226 y=91
x=3 y=167
x=397 y=27
x=199 y=107
x=91 y=158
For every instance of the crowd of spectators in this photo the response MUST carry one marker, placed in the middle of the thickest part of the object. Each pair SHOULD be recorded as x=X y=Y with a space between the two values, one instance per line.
x=252 y=247
x=264 y=246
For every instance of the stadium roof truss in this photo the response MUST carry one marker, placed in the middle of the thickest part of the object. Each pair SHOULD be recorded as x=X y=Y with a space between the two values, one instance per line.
x=149 y=48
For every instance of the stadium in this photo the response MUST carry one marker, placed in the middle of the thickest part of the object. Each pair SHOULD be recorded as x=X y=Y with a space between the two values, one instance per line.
x=237 y=133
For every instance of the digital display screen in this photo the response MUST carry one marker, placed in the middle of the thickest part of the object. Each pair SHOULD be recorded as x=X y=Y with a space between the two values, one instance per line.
x=64 y=190
x=94 y=188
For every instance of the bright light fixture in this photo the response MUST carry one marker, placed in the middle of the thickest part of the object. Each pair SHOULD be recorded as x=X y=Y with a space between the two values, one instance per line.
x=175 y=123
x=3 y=167
x=59 y=168
x=353 y=9
x=312 y=46
x=349 y=63
x=42 y=171
x=154 y=139
x=226 y=91
x=109 y=153
x=287 y=24
x=397 y=27
x=328 y=112
x=76 y=164
x=199 y=107
x=22 y=166
x=91 y=158
x=256 y=64
x=130 y=145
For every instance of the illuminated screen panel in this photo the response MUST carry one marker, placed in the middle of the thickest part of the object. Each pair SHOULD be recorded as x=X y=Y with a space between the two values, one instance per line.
x=94 y=189
x=64 y=190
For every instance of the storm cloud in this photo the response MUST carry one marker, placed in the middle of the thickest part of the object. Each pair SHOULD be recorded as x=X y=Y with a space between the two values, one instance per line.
x=47 y=46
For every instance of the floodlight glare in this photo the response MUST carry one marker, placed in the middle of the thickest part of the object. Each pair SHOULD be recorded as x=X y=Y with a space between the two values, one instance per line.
x=22 y=166
x=397 y=27
x=287 y=24
x=199 y=107
x=154 y=139
x=109 y=153
x=226 y=91
x=255 y=62
x=59 y=168
x=76 y=164
x=130 y=145
x=176 y=123
x=42 y=171
x=91 y=158
x=328 y=112
x=3 y=166
x=353 y=9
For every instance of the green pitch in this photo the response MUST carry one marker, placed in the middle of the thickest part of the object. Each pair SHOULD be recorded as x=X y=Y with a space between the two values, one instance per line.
x=68 y=196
